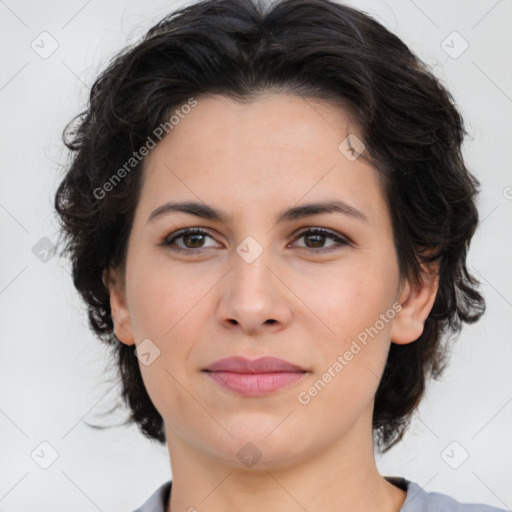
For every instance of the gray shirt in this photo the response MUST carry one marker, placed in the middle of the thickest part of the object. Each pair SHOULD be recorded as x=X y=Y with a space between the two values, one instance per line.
x=417 y=500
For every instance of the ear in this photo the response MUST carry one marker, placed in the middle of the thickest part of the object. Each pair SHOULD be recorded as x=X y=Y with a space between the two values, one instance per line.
x=113 y=280
x=416 y=302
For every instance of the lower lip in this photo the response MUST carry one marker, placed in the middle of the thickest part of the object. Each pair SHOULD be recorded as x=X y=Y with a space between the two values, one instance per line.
x=255 y=384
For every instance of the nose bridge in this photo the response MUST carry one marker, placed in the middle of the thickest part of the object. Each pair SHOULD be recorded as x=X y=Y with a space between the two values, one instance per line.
x=253 y=252
x=253 y=296
x=251 y=274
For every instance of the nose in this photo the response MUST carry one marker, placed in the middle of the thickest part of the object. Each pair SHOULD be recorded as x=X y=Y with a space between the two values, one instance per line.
x=254 y=297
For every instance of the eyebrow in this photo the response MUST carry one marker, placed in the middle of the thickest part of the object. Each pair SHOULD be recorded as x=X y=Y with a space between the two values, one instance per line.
x=205 y=211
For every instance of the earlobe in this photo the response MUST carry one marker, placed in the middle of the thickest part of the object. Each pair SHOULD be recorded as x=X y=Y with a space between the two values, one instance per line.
x=416 y=300
x=118 y=306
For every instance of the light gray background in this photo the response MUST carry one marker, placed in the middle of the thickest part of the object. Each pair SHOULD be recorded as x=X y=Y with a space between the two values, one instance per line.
x=52 y=371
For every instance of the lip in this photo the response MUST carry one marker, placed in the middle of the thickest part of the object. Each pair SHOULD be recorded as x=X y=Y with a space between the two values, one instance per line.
x=265 y=364
x=256 y=377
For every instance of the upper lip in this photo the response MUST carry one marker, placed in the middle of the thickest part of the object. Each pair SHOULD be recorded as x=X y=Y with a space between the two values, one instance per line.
x=266 y=364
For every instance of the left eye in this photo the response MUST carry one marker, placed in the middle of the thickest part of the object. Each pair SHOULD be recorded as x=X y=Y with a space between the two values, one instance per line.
x=318 y=236
x=193 y=238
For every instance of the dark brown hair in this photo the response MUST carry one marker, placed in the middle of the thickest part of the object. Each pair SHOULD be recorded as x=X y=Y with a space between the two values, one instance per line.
x=412 y=131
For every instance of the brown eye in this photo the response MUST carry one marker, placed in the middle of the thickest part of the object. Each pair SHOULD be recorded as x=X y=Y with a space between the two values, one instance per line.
x=191 y=239
x=317 y=238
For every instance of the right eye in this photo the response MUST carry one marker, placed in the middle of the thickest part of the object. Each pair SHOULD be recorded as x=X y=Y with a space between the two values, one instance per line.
x=192 y=238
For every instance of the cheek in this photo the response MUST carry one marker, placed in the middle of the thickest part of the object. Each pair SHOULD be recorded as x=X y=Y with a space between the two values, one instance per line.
x=163 y=298
x=163 y=310
x=355 y=303
x=352 y=360
x=167 y=306
x=349 y=297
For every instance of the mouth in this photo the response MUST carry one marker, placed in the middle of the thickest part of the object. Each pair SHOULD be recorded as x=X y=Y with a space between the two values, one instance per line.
x=266 y=364
x=257 y=377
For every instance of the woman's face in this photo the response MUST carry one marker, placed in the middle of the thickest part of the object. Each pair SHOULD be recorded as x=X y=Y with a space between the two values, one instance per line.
x=260 y=285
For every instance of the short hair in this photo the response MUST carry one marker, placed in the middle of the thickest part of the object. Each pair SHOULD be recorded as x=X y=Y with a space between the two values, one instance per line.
x=319 y=49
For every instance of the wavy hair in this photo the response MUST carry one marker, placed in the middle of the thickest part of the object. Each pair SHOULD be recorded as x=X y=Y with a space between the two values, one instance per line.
x=320 y=49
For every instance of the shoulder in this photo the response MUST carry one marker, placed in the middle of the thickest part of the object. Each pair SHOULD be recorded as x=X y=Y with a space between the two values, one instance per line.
x=158 y=501
x=419 y=500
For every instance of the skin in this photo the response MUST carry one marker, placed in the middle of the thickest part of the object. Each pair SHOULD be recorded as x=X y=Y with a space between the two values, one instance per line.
x=253 y=160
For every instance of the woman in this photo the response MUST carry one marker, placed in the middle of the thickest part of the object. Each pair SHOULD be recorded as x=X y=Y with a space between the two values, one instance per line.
x=268 y=216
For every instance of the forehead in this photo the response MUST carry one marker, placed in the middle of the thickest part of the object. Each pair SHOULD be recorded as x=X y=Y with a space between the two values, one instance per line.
x=276 y=147
x=269 y=119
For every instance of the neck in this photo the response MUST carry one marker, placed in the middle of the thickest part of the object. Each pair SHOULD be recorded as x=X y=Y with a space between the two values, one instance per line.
x=341 y=477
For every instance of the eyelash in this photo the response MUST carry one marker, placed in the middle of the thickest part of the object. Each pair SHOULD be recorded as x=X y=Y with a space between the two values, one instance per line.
x=169 y=241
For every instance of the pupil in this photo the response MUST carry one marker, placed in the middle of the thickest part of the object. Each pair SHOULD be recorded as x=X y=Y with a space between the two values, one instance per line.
x=187 y=237
x=319 y=239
